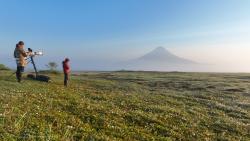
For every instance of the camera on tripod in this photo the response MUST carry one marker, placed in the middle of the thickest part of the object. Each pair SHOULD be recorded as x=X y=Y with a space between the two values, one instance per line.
x=38 y=53
x=36 y=76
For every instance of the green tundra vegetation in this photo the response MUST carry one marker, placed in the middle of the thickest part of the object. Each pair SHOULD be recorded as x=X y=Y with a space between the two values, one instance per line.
x=127 y=106
x=3 y=67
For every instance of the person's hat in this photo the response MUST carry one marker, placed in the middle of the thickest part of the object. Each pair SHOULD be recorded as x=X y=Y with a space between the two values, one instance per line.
x=20 y=43
x=66 y=59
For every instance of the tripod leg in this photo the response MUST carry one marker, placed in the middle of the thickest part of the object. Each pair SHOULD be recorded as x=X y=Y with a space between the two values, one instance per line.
x=11 y=75
x=34 y=65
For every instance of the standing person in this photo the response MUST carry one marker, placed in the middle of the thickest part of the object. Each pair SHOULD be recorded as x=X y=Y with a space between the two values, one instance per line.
x=66 y=70
x=20 y=56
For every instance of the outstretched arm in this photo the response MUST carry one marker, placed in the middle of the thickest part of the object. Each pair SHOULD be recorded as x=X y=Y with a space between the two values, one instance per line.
x=23 y=53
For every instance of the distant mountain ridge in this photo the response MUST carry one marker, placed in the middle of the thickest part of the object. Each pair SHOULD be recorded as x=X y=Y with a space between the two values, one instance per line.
x=159 y=59
x=160 y=54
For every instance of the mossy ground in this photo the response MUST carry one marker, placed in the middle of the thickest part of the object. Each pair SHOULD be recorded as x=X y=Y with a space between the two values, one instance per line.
x=127 y=106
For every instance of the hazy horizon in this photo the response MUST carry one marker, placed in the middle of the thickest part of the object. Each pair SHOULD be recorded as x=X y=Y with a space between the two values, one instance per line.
x=96 y=33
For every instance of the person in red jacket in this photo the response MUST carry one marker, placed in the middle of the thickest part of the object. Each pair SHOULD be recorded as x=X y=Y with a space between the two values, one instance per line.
x=66 y=70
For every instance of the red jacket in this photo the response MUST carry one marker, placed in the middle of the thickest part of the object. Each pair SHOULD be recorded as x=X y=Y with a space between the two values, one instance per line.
x=66 y=67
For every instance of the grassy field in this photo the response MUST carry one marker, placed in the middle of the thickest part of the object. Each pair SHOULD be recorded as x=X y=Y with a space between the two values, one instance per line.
x=127 y=106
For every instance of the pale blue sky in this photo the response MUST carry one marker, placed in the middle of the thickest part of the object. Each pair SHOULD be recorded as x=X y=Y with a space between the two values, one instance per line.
x=87 y=30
